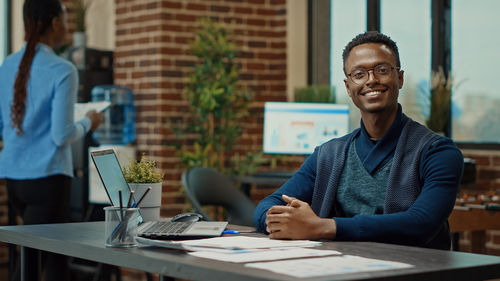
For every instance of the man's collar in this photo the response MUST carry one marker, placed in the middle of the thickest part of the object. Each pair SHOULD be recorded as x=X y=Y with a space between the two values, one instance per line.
x=375 y=153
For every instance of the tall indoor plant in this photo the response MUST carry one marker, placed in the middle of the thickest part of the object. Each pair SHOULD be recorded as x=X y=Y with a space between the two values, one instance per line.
x=217 y=103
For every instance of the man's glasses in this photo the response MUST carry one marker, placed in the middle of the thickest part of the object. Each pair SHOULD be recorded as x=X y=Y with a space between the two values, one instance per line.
x=381 y=72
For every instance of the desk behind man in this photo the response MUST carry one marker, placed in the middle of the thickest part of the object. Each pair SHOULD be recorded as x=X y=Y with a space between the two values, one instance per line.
x=392 y=180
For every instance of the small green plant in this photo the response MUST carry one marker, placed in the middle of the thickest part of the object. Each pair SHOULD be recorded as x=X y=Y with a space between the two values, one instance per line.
x=80 y=9
x=142 y=171
x=322 y=94
x=439 y=101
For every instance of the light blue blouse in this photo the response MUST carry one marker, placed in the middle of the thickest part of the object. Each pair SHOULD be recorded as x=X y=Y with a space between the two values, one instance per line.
x=44 y=148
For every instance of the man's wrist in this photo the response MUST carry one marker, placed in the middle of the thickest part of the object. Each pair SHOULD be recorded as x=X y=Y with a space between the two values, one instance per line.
x=328 y=229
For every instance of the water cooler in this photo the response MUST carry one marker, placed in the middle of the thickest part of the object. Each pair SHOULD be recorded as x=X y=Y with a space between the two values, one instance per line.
x=116 y=132
x=119 y=120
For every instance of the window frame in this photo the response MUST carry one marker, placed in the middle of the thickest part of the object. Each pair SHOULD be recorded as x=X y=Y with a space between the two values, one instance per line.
x=9 y=26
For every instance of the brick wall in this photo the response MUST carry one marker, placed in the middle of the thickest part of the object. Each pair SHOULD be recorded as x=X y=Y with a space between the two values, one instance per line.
x=152 y=57
x=487 y=168
x=487 y=181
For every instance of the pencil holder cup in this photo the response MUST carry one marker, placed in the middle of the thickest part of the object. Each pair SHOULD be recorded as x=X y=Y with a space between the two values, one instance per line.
x=121 y=226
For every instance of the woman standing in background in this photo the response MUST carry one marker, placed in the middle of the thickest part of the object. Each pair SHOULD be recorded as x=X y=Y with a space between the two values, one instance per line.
x=37 y=95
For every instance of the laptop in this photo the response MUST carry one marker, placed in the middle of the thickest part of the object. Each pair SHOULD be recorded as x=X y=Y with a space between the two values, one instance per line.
x=112 y=178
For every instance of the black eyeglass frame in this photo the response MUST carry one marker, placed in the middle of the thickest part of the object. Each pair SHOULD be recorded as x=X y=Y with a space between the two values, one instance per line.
x=375 y=74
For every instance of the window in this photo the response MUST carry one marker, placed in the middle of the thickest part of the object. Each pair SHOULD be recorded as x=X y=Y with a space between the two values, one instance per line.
x=348 y=18
x=3 y=30
x=414 y=49
x=475 y=59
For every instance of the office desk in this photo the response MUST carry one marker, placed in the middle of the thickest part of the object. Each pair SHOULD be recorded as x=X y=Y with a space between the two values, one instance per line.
x=86 y=241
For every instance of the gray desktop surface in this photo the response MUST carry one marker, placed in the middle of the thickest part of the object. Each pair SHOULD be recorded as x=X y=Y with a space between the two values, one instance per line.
x=86 y=241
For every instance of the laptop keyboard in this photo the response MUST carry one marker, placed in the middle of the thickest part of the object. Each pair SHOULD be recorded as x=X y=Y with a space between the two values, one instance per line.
x=167 y=228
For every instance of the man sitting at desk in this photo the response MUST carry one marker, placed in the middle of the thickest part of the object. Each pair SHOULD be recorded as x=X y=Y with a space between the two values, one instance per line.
x=392 y=180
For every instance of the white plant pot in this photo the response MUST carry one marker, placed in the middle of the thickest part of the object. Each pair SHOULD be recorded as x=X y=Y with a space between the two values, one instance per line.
x=150 y=205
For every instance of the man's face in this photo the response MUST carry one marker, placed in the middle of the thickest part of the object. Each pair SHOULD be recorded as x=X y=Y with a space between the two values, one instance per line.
x=376 y=94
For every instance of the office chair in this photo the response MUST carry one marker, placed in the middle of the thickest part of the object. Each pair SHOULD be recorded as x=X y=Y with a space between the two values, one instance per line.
x=205 y=186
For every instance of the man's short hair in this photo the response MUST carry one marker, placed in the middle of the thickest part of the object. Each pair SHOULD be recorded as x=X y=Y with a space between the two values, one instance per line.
x=371 y=37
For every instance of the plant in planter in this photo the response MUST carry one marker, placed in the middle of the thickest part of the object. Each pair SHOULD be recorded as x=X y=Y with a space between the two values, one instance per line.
x=80 y=8
x=217 y=106
x=217 y=103
x=439 y=102
x=141 y=175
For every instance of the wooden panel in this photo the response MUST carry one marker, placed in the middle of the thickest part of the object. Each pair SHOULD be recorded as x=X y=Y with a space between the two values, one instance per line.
x=474 y=220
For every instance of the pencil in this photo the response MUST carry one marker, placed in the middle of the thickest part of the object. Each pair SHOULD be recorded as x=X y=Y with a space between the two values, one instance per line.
x=142 y=197
x=121 y=202
x=130 y=198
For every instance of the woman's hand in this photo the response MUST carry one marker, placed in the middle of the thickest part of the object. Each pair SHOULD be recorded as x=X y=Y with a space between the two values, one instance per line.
x=96 y=119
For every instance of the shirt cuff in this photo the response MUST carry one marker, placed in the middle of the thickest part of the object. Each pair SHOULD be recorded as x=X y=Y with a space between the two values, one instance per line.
x=347 y=229
x=85 y=122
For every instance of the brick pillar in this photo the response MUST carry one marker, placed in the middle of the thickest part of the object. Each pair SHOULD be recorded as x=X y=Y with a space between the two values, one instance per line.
x=152 y=57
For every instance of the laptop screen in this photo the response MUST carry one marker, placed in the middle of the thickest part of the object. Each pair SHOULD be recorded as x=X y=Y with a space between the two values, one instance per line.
x=111 y=175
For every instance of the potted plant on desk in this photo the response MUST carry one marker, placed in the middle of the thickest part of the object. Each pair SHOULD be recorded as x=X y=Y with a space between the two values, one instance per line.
x=140 y=175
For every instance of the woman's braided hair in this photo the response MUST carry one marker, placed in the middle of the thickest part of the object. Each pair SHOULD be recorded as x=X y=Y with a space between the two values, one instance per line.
x=37 y=15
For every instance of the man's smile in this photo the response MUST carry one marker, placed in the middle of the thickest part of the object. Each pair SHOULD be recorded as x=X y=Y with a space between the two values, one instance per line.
x=373 y=93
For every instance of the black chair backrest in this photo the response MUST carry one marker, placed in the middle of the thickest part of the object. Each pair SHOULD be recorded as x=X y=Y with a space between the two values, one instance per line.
x=205 y=186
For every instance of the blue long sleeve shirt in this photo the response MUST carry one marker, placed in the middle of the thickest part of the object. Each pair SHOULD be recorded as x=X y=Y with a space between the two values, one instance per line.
x=440 y=169
x=48 y=126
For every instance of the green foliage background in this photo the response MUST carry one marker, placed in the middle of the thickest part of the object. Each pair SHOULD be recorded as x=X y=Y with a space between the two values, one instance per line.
x=217 y=103
x=321 y=94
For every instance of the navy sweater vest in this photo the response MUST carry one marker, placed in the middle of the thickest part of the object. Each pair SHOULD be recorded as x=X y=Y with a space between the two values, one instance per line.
x=404 y=182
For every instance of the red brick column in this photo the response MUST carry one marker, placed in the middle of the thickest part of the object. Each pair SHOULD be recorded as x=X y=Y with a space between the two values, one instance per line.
x=152 y=57
x=487 y=181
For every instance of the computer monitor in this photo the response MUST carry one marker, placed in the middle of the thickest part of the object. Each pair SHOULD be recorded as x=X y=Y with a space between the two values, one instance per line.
x=297 y=128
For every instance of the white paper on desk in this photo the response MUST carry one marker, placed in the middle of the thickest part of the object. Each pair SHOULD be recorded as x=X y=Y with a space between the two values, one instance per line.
x=171 y=244
x=263 y=255
x=246 y=242
x=303 y=268
x=81 y=109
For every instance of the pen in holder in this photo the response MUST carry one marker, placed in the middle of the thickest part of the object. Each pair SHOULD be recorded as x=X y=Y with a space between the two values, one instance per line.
x=121 y=226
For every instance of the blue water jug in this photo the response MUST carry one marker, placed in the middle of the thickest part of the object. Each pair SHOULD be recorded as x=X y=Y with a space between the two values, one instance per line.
x=118 y=126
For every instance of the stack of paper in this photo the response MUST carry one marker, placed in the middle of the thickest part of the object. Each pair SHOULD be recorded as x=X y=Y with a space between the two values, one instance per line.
x=245 y=242
x=263 y=255
x=81 y=109
x=291 y=257
x=304 y=268
x=244 y=248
